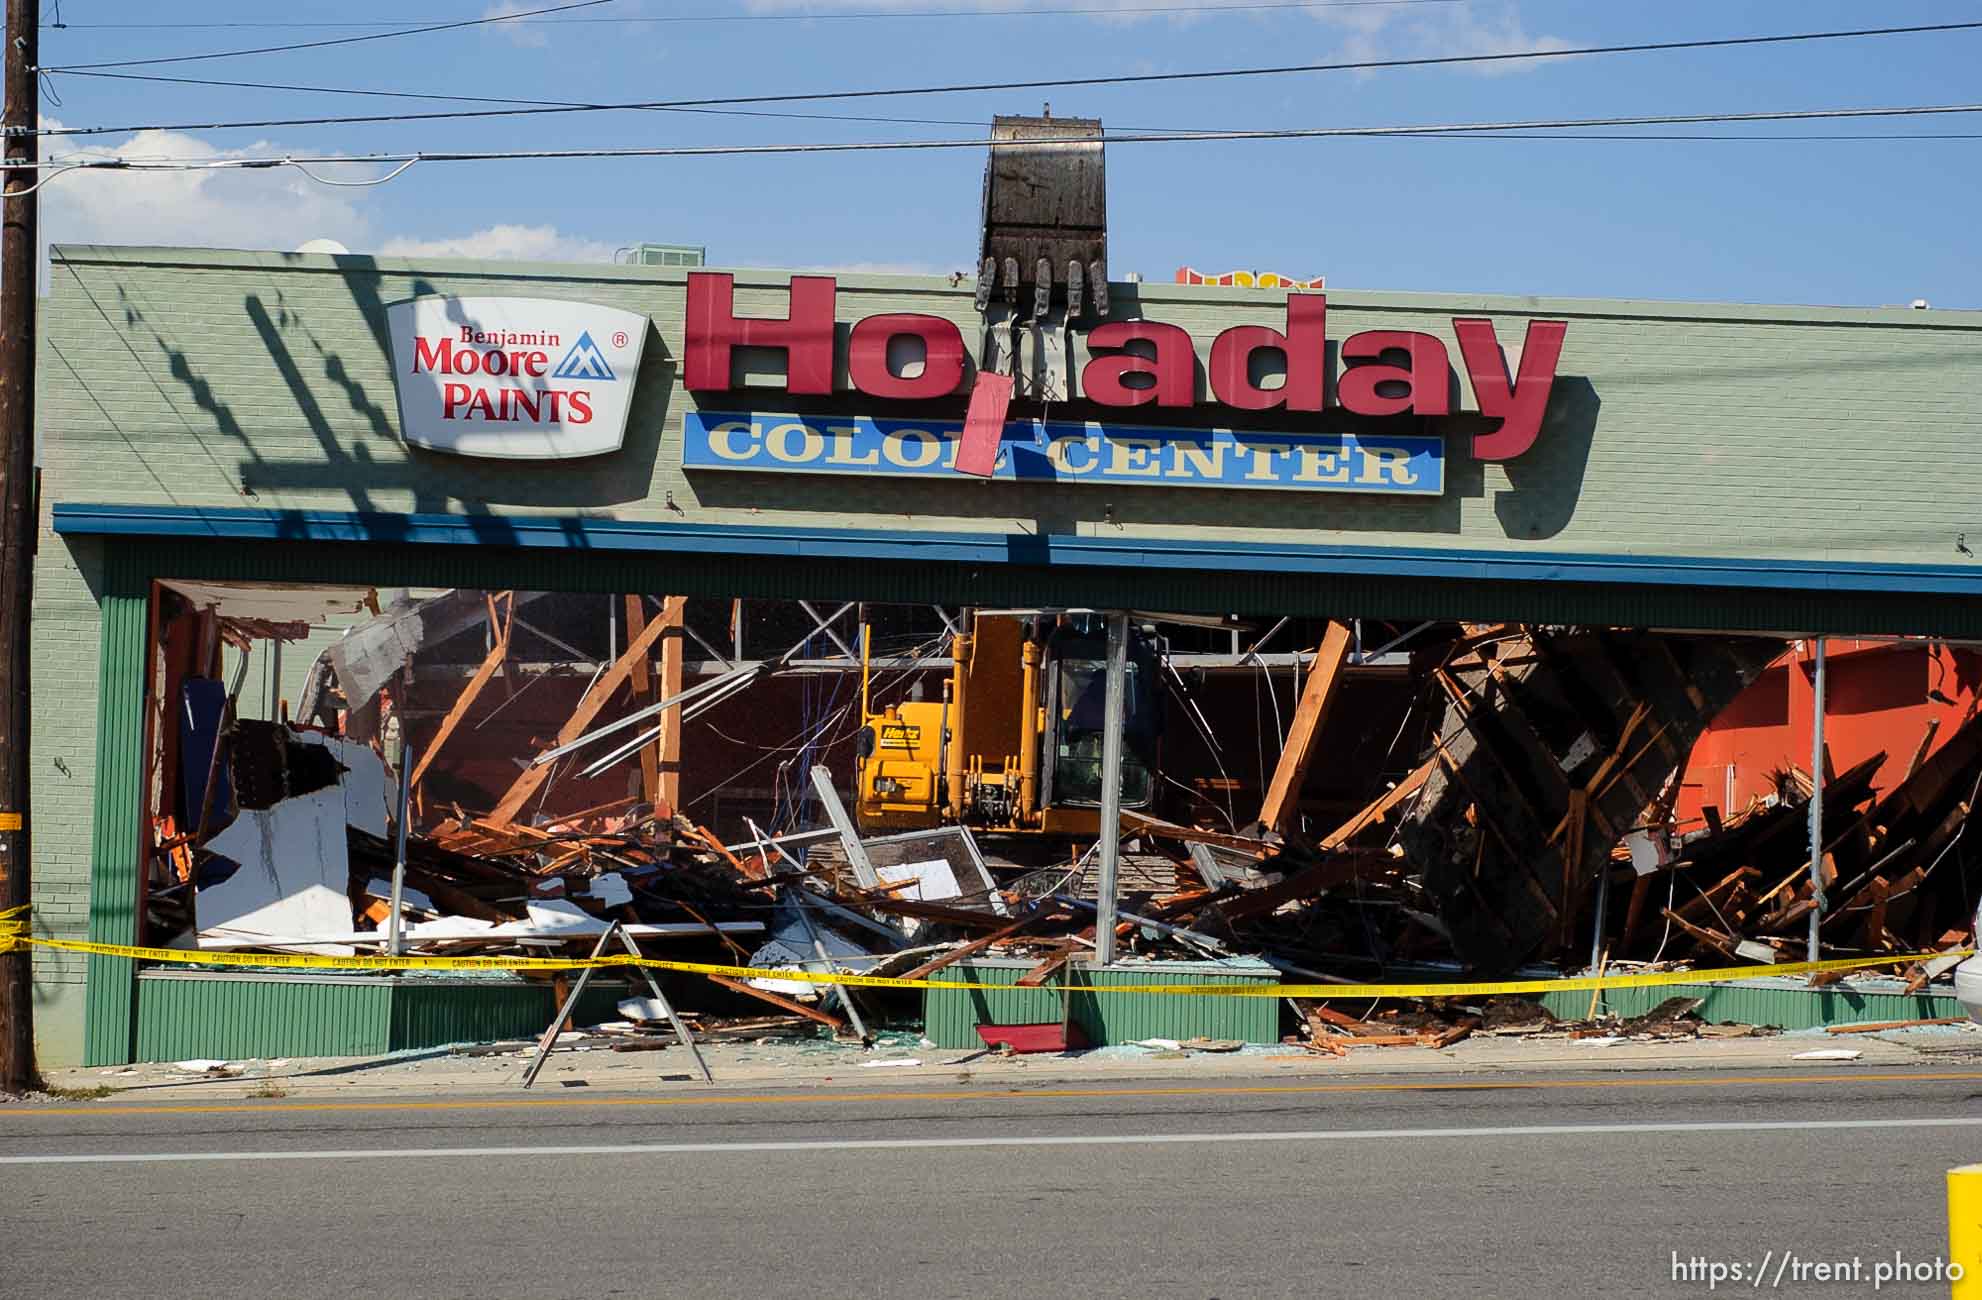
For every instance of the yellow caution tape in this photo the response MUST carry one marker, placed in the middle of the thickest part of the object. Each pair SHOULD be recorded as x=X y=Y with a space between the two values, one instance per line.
x=14 y=933
x=10 y=821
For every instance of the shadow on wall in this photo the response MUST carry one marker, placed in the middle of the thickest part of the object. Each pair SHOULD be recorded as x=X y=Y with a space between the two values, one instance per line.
x=365 y=468
x=350 y=466
x=1547 y=483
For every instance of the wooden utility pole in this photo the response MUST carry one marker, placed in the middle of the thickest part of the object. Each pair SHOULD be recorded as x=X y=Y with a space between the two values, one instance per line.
x=19 y=252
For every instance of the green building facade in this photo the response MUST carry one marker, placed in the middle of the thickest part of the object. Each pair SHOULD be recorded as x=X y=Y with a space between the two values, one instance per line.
x=233 y=416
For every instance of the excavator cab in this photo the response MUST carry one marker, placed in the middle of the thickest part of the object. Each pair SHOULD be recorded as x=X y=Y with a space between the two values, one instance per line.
x=1015 y=743
x=1076 y=707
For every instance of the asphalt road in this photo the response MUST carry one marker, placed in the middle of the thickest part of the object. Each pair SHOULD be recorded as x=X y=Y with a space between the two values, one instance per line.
x=1568 y=1187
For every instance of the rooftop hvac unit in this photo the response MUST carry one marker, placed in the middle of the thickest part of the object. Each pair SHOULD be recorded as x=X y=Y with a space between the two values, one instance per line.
x=667 y=255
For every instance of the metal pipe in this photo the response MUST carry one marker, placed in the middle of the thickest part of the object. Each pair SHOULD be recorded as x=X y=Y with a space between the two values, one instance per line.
x=395 y=942
x=818 y=942
x=1817 y=801
x=641 y=715
x=736 y=682
x=953 y=760
x=274 y=700
x=1029 y=732
x=866 y=671
x=1111 y=786
x=1596 y=931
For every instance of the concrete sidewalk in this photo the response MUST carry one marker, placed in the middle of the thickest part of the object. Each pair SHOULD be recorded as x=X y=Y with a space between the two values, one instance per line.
x=900 y=1060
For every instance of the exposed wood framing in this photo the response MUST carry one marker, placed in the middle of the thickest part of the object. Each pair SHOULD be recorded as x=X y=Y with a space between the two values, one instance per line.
x=533 y=777
x=466 y=700
x=1378 y=810
x=667 y=750
x=650 y=756
x=1283 y=793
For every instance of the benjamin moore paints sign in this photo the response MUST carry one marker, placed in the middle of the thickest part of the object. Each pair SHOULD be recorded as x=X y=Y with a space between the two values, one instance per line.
x=516 y=378
x=1042 y=451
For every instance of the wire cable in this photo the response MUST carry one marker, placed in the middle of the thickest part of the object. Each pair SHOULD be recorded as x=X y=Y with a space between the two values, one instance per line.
x=865 y=118
x=1094 y=11
x=475 y=99
x=1141 y=78
x=893 y=146
x=340 y=40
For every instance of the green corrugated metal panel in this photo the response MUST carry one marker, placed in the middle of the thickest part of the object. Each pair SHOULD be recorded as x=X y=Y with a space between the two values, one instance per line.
x=1767 y=1002
x=950 y=1016
x=240 y=1015
x=435 y=1013
x=118 y=805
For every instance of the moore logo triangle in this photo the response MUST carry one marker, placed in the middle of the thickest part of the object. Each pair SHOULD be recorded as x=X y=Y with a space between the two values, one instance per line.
x=584 y=361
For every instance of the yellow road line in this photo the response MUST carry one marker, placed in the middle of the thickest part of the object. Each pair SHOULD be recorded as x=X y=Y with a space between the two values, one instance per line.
x=984 y=1094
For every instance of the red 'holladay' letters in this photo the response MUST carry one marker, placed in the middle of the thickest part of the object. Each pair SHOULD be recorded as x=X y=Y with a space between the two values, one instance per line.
x=1519 y=405
x=1426 y=374
x=1173 y=369
x=942 y=356
x=1305 y=345
x=1384 y=372
x=806 y=335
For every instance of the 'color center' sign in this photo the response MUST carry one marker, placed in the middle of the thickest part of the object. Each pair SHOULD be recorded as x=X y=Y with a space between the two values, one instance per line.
x=516 y=378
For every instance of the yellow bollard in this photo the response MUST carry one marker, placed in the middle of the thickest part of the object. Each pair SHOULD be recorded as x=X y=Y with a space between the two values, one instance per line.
x=1965 y=1230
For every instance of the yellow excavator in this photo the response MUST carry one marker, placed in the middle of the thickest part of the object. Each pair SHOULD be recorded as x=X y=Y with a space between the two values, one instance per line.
x=1014 y=745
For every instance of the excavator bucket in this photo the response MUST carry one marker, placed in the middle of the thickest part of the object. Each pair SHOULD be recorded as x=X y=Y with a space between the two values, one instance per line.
x=1046 y=210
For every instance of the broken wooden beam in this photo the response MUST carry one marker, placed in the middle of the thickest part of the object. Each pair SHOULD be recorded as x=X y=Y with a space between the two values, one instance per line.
x=1283 y=793
x=667 y=750
x=1380 y=808
x=780 y=1000
x=532 y=778
x=498 y=653
x=1721 y=943
x=979 y=944
x=1879 y=1026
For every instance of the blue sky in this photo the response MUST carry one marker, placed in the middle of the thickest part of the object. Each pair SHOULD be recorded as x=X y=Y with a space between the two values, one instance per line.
x=1852 y=222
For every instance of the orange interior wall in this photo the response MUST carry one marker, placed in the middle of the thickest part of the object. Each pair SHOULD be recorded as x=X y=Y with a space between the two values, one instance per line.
x=1879 y=696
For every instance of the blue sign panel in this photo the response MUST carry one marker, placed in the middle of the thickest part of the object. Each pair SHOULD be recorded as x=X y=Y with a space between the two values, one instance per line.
x=1037 y=451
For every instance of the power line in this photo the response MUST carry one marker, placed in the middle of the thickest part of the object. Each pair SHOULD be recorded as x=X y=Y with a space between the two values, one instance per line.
x=54 y=161
x=486 y=99
x=341 y=40
x=1095 y=11
x=404 y=160
x=1144 y=78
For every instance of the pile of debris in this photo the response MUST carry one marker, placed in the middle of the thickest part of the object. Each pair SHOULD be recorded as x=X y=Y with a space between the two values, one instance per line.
x=1741 y=889
x=1534 y=823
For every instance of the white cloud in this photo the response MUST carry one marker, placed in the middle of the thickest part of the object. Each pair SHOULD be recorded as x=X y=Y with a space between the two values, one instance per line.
x=504 y=242
x=1452 y=31
x=1109 y=11
x=212 y=209
x=526 y=35
x=1371 y=31
x=276 y=208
